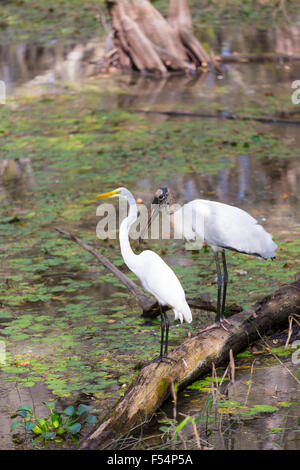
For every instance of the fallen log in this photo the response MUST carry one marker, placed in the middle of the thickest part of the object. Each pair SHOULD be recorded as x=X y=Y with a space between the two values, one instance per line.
x=194 y=357
x=148 y=304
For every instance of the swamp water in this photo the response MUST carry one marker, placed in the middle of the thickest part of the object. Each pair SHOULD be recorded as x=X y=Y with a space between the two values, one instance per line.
x=71 y=331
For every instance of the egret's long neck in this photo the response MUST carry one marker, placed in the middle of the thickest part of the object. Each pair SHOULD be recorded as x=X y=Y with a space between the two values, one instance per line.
x=126 y=250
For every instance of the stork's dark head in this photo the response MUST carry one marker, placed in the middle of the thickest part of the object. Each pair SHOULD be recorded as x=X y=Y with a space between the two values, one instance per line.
x=161 y=196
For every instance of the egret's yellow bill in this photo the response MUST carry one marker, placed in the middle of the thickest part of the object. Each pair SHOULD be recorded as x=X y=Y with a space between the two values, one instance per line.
x=110 y=193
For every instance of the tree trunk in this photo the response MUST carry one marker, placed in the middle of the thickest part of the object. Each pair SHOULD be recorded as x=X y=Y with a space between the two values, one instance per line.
x=147 y=42
x=180 y=19
x=194 y=357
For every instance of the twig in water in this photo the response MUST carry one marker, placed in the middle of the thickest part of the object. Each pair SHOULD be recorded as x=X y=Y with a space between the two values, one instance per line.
x=291 y=319
x=250 y=381
x=276 y=357
x=232 y=366
x=196 y=434
x=174 y=394
x=224 y=375
x=214 y=378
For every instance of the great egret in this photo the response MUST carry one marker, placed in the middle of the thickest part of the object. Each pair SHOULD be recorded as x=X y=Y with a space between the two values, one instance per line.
x=222 y=227
x=155 y=275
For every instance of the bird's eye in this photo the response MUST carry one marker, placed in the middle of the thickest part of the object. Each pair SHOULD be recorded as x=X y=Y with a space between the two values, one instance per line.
x=161 y=197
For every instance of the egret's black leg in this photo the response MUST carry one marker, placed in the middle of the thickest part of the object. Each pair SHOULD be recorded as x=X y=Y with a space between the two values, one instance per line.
x=167 y=324
x=159 y=358
x=225 y=281
x=163 y=356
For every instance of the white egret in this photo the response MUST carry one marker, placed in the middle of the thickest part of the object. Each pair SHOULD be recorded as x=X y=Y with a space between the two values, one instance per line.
x=222 y=227
x=155 y=275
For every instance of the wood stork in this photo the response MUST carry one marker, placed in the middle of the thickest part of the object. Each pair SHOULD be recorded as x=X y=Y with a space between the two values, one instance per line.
x=222 y=227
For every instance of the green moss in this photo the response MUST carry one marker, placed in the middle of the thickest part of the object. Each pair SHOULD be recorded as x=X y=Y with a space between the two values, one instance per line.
x=23 y=20
x=163 y=386
x=233 y=12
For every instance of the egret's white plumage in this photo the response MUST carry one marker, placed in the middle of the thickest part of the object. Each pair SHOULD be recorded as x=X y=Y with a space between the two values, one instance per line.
x=159 y=279
x=222 y=227
x=155 y=275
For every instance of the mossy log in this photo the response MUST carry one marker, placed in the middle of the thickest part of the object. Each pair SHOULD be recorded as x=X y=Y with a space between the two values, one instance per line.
x=194 y=357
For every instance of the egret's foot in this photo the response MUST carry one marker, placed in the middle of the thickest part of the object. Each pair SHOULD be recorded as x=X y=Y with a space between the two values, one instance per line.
x=225 y=320
x=217 y=324
x=160 y=359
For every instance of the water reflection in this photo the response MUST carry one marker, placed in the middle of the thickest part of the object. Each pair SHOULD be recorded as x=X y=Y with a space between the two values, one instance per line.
x=267 y=188
x=39 y=68
x=283 y=39
x=271 y=385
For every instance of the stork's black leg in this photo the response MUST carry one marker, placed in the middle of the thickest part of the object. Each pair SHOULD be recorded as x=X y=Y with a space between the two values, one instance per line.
x=219 y=283
x=167 y=323
x=162 y=326
x=225 y=281
x=220 y=312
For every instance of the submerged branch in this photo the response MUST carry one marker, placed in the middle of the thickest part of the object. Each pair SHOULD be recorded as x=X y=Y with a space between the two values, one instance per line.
x=142 y=299
x=233 y=58
x=148 y=304
x=221 y=115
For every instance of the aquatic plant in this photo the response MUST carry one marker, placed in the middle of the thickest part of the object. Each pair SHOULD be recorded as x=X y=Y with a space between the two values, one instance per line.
x=56 y=425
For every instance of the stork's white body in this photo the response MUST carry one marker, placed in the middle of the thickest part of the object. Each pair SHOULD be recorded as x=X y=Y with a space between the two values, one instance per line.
x=223 y=227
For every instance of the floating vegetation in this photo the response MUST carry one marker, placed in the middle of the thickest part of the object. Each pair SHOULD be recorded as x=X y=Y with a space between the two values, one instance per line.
x=55 y=298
